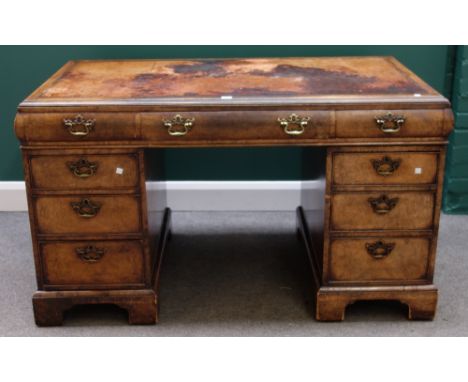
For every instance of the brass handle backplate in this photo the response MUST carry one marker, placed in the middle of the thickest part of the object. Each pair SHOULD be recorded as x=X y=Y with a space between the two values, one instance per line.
x=82 y=168
x=86 y=208
x=383 y=204
x=385 y=166
x=79 y=126
x=178 y=125
x=390 y=123
x=379 y=249
x=294 y=124
x=90 y=253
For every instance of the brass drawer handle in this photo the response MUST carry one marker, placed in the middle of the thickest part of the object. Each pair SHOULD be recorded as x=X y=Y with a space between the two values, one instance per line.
x=86 y=208
x=390 y=123
x=79 y=126
x=379 y=249
x=299 y=122
x=385 y=166
x=383 y=204
x=90 y=253
x=82 y=168
x=173 y=124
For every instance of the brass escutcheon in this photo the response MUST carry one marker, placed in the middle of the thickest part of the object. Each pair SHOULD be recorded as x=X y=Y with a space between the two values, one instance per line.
x=82 y=168
x=173 y=125
x=299 y=122
x=86 y=208
x=390 y=123
x=79 y=126
x=385 y=166
x=90 y=253
x=379 y=249
x=383 y=204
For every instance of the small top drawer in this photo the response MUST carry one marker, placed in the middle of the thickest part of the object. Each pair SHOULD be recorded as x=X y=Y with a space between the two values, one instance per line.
x=392 y=123
x=83 y=172
x=75 y=127
x=236 y=125
x=371 y=168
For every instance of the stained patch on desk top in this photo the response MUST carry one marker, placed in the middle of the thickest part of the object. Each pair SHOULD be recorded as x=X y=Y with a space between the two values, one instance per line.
x=299 y=77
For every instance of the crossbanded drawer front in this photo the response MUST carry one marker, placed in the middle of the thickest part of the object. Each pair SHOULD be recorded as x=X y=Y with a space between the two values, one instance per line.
x=76 y=127
x=376 y=260
x=390 y=123
x=236 y=125
x=94 y=214
x=92 y=264
x=71 y=172
x=382 y=210
x=385 y=168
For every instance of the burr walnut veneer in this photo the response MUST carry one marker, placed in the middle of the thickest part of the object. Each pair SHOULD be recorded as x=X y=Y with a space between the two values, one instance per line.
x=97 y=239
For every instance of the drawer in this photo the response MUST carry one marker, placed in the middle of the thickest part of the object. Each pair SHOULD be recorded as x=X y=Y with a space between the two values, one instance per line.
x=236 y=125
x=385 y=168
x=53 y=127
x=84 y=171
x=382 y=210
x=95 y=214
x=390 y=123
x=378 y=259
x=92 y=264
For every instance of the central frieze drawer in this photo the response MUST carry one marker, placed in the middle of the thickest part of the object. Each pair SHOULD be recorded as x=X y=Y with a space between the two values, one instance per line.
x=95 y=214
x=375 y=259
x=385 y=168
x=92 y=264
x=236 y=125
x=84 y=171
x=382 y=210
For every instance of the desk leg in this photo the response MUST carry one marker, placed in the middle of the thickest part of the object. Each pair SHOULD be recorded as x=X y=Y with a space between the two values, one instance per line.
x=331 y=301
x=141 y=305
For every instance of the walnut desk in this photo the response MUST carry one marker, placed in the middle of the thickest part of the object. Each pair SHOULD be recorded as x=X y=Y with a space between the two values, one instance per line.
x=381 y=130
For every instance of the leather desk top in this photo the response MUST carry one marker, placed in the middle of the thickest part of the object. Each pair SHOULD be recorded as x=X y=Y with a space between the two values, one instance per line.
x=227 y=82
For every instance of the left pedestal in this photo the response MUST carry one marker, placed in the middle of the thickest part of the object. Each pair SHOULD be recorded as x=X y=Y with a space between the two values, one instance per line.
x=95 y=240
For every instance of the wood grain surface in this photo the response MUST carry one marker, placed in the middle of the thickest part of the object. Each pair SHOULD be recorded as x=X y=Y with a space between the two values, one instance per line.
x=381 y=132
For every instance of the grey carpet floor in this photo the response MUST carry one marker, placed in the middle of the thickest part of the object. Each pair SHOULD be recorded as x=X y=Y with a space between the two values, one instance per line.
x=235 y=274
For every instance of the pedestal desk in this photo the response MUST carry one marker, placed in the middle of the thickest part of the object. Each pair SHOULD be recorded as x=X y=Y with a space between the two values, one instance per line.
x=380 y=131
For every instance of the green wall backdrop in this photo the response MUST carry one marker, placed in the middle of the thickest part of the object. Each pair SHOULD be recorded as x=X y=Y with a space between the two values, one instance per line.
x=456 y=175
x=23 y=68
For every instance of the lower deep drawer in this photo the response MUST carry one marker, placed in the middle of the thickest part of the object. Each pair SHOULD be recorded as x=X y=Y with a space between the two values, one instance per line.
x=379 y=259
x=92 y=264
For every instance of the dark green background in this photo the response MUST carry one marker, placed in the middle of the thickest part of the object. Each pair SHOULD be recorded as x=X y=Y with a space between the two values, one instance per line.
x=24 y=68
x=456 y=175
